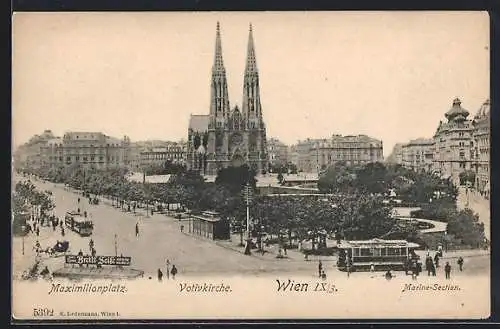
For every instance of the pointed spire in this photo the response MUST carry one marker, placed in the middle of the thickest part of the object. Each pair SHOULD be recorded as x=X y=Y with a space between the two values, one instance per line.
x=251 y=65
x=218 y=62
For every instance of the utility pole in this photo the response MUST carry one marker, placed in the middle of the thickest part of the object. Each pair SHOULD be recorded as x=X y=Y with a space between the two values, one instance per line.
x=248 y=195
x=116 y=246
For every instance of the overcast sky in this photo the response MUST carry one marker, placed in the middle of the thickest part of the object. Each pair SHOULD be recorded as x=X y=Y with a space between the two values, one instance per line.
x=390 y=75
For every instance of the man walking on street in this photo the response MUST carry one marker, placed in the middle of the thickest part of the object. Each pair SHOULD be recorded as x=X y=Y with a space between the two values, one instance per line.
x=137 y=229
x=447 y=270
x=173 y=271
x=460 y=263
x=168 y=269
x=320 y=268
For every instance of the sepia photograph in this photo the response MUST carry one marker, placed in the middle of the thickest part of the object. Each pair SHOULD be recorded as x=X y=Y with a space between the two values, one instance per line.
x=250 y=165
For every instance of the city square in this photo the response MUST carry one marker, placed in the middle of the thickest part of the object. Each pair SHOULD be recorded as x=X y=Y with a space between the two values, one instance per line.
x=283 y=182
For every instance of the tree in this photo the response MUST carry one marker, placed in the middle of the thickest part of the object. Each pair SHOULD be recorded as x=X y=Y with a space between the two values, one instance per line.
x=465 y=226
x=467 y=177
x=235 y=178
x=337 y=178
x=20 y=214
x=372 y=178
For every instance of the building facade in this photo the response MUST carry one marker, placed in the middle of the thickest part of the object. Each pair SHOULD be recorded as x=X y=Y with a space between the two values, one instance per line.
x=229 y=137
x=29 y=155
x=418 y=154
x=315 y=155
x=277 y=152
x=396 y=156
x=453 y=143
x=158 y=156
x=88 y=149
x=481 y=136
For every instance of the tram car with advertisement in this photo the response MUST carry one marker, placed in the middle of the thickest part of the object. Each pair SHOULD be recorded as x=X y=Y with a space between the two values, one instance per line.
x=79 y=223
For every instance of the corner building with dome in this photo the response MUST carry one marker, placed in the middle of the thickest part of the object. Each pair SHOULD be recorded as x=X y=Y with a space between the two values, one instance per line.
x=229 y=136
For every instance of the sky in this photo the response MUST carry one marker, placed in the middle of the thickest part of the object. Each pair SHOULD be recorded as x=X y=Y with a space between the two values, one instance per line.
x=389 y=75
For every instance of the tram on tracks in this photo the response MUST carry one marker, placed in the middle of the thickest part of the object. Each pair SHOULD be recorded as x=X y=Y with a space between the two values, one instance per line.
x=382 y=254
x=79 y=223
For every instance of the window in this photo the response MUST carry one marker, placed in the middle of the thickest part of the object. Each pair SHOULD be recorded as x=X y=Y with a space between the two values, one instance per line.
x=77 y=158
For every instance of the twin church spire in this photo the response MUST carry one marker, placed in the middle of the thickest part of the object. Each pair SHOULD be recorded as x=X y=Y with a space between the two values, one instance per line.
x=219 y=107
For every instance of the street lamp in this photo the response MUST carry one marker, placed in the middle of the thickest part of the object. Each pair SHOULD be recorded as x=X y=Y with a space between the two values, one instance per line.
x=23 y=228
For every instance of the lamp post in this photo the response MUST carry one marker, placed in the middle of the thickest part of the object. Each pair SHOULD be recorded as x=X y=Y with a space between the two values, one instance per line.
x=116 y=245
x=23 y=228
x=247 y=195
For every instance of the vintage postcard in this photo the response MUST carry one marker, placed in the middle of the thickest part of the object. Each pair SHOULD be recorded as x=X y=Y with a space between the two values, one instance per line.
x=250 y=165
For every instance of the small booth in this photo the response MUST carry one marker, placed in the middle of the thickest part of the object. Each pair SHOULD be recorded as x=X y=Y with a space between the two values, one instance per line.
x=209 y=225
x=383 y=254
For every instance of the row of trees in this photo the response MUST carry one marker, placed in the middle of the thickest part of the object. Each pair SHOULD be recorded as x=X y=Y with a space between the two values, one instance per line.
x=355 y=210
x=24 y=198
x=378 y=178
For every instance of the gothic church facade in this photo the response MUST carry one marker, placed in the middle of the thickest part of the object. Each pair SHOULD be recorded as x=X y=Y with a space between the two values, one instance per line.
x=229 y=136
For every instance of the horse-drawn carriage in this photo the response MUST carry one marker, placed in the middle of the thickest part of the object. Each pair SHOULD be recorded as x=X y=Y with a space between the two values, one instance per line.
x=60 y=248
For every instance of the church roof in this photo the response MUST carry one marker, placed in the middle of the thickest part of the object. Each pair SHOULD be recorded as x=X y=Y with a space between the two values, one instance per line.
x=484 y=110
x=457 y=111
x=199 y=122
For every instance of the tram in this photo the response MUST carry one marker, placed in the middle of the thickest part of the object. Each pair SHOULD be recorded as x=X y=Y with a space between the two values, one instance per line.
x=382 y=254
x=78 y=223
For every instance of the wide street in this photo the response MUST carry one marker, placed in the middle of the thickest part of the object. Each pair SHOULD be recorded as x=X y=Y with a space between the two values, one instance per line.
x=160 y=239
x=478 y=204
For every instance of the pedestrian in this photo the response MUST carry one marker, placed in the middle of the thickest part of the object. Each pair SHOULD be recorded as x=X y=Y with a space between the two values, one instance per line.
x=173 y=271
x=436 y=260
x=62 y=231
x=91 y=244
x=168 y=268
x=80 y=253
x=78 y=202
x=428 y=265
x=160 y=275
x=45 y=272
x=460 y=263
x=388 y=275
x=37 y=231
x=182 y=228
x=447 y=270
x=372 y=267
x=284 y=249
x=137 y=229
x=433 y=269
x=323 y=275
x=320 y=268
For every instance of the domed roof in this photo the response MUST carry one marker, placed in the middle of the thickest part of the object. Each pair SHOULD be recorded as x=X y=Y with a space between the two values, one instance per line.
x=457 y=111
x=484 y=110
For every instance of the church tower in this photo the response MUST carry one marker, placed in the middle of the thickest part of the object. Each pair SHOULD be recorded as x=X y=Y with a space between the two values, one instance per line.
x=252 y=110
x=219 y=110
x=229 y=137
x=219 y=99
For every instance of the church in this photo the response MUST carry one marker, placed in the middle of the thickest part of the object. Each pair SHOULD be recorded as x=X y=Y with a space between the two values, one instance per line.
x=229 y=136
